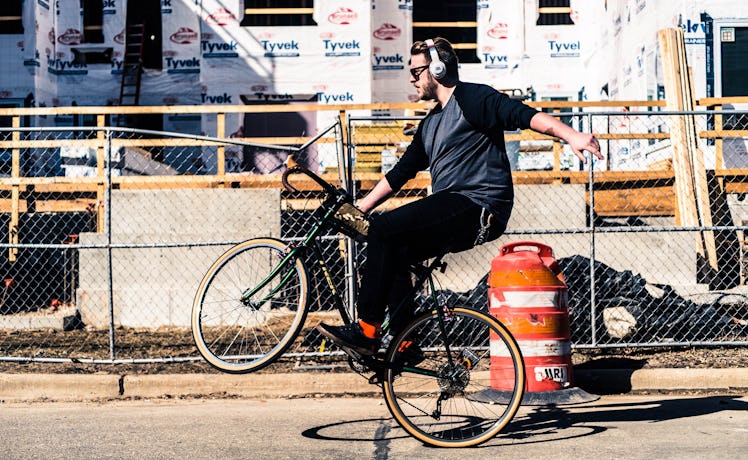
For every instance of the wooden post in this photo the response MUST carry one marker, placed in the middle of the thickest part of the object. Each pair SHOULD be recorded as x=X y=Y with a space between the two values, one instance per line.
x=344 y=155
x=100 y=174
x=681 y=164
x=557 y=150
x=221 y=149
x=15 y=193
x=691 y=191
x=719 y=159
x=701 y=183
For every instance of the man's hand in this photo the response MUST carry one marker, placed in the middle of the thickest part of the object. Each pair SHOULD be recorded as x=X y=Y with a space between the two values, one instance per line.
x=579 y=142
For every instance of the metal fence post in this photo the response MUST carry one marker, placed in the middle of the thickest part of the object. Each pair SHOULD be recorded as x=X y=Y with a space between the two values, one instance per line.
x=15 y=191
x=593 y=307
x=108 y=229
x=346 y=162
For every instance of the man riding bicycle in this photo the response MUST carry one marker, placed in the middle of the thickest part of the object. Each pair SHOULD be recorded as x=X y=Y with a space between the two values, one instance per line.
x=461 y=142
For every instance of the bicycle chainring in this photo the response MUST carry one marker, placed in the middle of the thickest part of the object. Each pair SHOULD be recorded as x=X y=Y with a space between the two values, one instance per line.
x=453 y=378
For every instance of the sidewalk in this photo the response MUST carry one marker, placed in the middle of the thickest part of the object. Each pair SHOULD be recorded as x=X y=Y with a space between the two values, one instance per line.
x=85 y=387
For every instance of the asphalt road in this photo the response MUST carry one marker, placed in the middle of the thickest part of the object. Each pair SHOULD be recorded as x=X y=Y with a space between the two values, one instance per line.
x=626 y=426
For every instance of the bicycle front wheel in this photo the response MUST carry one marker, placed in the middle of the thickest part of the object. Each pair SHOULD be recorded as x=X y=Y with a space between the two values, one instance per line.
x=443 y=388
x=250 y=306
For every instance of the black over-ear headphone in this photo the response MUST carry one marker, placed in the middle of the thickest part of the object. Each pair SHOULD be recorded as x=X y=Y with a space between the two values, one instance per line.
x=437 y=69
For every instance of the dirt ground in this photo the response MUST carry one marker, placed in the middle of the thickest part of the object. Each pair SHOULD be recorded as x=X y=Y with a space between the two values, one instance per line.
x=178 y=348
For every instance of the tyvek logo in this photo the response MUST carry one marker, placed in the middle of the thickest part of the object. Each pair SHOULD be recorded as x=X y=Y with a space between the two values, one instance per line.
x=495 y=61
x=693 y=27
x=694 y=32
x=335 y=98
x=70 y=37
x=499 y=30
x=342 y=48
x=33 y=62
x=387 y=31
x=342 y=16
x=224 y=98
x=218 y=49
x=220 y=17
x=262 y=96
x=182 y=65
x=183 y=36
x=60 y=67
x=388 y=62
x=564 y=49
x=117 y=66
x=280 y=49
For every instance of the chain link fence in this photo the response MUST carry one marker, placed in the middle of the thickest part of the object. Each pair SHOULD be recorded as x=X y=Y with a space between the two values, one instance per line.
x=107 y=232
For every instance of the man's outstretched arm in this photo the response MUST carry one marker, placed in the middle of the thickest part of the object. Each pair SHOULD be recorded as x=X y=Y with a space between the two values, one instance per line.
x=579 y=142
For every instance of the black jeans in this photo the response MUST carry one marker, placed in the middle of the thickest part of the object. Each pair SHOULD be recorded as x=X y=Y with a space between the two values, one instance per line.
x=440 y=223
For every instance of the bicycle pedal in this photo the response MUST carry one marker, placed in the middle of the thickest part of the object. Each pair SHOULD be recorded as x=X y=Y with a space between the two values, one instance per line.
x=351 y=352
x=377 y=379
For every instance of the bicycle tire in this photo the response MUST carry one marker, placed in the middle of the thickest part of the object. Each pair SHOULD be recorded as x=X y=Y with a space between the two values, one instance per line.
x=453 y=405
x=240 y=337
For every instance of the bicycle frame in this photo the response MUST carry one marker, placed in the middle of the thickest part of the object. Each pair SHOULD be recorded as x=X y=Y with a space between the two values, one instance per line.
x=423 y=272
x=300 y=251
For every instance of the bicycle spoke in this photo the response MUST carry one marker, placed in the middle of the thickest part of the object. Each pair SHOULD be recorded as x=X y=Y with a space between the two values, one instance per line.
x=447 y=408
x=239 y=336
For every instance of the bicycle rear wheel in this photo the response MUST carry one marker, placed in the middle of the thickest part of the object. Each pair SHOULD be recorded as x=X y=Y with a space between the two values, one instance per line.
x=237 y=332
x=447 y=399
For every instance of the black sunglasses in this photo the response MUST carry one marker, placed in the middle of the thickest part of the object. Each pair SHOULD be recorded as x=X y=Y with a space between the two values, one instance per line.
x=417 y=71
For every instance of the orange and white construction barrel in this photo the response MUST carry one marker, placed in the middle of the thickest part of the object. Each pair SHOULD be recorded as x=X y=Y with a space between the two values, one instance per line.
x=528 y=294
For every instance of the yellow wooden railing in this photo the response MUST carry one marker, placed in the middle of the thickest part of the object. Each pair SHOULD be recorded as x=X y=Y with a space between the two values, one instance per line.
x=68 y=194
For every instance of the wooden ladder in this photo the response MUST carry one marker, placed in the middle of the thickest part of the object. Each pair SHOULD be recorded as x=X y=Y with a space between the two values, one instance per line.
x=132 y=69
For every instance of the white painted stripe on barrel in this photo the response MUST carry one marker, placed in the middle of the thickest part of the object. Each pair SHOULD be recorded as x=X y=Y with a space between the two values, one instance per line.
x=531 y=348
x=529 y=299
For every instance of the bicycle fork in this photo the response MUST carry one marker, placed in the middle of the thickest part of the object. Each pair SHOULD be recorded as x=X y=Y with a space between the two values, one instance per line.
x=290 y=257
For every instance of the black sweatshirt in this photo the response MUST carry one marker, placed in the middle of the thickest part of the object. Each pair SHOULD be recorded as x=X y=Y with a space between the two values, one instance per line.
x=462 y=144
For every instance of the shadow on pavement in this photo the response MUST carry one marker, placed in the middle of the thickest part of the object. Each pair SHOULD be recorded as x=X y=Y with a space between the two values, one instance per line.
x=546 y=423
x=593 y=376
x=546 y=420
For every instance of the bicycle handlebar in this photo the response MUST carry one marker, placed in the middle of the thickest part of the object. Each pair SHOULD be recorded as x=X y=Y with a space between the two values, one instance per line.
x=329 y=188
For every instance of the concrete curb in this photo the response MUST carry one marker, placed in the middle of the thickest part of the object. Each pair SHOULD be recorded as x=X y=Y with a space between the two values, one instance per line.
x=81 y=387
x=625 y=380
x=63 y=387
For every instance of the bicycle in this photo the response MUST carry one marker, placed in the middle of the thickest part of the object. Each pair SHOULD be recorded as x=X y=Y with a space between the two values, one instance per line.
x=461 y=389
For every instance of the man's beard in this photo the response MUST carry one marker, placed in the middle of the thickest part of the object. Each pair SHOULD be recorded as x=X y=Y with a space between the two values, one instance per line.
x=429 y=91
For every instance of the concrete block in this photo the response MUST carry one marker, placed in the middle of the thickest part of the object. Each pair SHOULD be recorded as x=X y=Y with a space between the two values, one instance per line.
x=93 y=305
x=194 y=214
x=154 y=286
x=549 y=206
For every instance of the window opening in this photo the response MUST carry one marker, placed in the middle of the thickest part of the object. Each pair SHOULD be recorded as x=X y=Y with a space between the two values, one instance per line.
x=455 y=20
x=11 y=12
x=554 y=13
x=264 y=13
x=92 y=12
